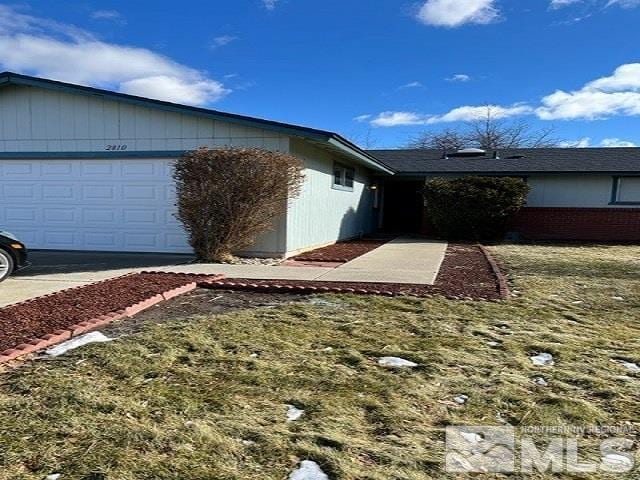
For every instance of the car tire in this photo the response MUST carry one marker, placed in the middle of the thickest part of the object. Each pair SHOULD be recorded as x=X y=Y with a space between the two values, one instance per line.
x=6 y=264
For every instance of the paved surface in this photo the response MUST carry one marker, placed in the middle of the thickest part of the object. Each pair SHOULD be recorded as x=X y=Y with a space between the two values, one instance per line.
x=52 y=271
x=403 y=260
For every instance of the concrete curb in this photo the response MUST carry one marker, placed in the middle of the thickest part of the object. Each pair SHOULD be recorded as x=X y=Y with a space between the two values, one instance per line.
x=81 y=328
x=503 y=285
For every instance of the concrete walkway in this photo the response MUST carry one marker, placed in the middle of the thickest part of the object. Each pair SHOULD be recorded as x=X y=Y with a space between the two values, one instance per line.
x=403 y=260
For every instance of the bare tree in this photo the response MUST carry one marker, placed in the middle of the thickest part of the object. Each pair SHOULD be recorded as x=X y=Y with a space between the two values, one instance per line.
x=489 y=133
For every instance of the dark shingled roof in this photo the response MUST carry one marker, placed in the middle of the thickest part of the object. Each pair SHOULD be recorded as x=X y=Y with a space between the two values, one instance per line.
x=531 y=160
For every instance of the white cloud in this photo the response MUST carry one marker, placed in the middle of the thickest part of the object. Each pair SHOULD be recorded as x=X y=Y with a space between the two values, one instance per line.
x=470 y=113
x=614 y=95
x=582 y=143
x=270 y=4
x=618 y=94
x=607 y=142
x=555 y=4
x=459 y=77
x=454 y=13
x=411 y=85
x=396 y=119
x=222 y=41
x=49 y=49
x=113 y=15
x=624 y=3
x=460 y=114
x=362 y=118
x=616 y=142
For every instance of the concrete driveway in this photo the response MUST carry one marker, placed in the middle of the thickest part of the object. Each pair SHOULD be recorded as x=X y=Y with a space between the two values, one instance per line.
x=52 y=271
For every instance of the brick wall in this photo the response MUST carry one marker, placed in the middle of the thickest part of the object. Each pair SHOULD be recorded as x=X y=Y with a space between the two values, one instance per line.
x=595 y=224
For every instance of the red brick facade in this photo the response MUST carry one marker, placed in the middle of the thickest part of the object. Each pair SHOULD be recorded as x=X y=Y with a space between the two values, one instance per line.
x=595 y=224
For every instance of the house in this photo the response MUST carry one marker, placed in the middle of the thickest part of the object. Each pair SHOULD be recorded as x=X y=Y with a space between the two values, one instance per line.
x=576 y=193
x=89 y=169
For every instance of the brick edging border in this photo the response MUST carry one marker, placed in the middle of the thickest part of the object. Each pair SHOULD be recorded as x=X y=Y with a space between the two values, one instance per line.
x=503 y=284
x=86 y=326
x=293 y=288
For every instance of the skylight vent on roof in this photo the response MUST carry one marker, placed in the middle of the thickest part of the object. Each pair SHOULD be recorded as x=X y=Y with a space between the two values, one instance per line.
x=469 y=152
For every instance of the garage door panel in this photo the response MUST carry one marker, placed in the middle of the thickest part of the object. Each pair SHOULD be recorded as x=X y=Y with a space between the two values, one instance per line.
x=109 y=205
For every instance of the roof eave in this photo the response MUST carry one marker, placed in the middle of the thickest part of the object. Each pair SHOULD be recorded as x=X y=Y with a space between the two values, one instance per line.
x=359 y=155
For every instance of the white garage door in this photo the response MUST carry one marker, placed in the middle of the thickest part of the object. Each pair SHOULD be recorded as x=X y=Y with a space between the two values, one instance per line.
x=104 y=205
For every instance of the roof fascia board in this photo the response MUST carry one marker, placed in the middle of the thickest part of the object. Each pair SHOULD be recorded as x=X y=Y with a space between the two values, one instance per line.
x=370 y=162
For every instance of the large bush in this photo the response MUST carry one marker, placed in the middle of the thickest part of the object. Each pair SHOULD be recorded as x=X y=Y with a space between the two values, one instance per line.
x=473 y=208
x=227 y=197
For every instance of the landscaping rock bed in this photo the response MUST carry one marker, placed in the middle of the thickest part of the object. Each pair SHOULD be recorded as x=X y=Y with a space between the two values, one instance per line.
x=466 y=273
x=33 y=319
x=341 y=252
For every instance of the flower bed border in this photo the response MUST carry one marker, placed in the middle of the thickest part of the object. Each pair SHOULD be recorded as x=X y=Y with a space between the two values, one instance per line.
x=81 y=328
x=503 y=284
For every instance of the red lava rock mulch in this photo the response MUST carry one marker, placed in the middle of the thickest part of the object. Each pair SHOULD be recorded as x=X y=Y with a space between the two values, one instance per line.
x=466 y=273
x=341 y=252
x=34 y=319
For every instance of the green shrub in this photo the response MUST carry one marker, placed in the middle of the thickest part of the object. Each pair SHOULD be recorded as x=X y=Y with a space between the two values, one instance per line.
x=473 y=208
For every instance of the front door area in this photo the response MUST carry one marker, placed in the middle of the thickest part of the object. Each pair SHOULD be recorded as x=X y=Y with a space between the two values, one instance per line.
x=403 y=206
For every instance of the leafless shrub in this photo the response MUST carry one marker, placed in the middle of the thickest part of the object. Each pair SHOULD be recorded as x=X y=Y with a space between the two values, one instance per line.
x=227 y=197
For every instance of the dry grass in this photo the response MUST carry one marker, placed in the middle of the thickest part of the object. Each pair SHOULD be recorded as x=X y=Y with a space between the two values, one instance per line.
x=176 y=401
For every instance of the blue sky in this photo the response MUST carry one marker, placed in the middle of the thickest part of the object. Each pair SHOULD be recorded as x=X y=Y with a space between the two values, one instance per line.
x=377 y=71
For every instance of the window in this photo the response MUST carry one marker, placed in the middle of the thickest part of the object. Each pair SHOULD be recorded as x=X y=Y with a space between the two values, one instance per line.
x=343 y=177
x=626 y=191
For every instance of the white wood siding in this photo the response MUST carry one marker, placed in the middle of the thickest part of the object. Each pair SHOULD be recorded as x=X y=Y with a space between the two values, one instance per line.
x=323 y=214
x=45 y=121
x=39 y=120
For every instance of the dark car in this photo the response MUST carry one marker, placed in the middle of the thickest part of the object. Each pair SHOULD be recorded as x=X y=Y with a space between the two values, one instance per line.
x=13 y=255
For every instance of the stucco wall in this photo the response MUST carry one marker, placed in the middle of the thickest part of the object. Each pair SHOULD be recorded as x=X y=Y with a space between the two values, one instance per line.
x=582 y=191
x=323 y=214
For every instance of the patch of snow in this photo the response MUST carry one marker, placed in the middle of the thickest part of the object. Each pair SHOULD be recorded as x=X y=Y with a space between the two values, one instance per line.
x=53 y=476
x=254 y=355
x=577 y=302
x=493 y=344
x=618 y=299
x=471 y=437
x=396 y=362
x=321 y=302
x=328 y=349
x=540 y=381
x=293 y=413
x=308 y=470
x=81 y=341
x=632 y=367
x=247 y=443
x=618 y=462
x=542 y=359
x=461 y=399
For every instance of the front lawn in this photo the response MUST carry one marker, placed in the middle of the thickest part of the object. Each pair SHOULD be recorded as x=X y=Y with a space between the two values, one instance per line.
x=194 y=394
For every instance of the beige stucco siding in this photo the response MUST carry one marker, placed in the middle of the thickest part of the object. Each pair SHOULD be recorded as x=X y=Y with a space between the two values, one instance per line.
x=322 y=214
